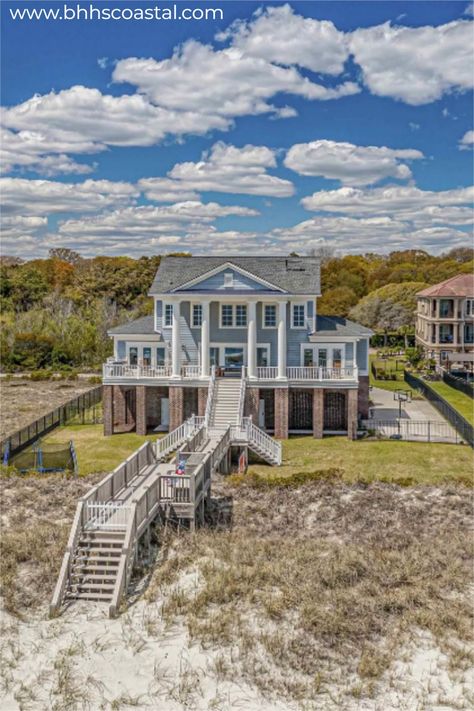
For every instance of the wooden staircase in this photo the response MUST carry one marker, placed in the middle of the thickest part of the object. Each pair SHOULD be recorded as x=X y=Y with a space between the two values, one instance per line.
x=95 y=565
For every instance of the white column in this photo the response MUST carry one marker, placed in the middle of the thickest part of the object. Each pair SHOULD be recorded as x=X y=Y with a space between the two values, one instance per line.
x=205 y=340
x=252 y=340
x=176 y=342
x=282 y=340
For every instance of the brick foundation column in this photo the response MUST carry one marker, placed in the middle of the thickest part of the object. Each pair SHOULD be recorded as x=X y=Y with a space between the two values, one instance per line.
x=281 y=413
x=176 y=396
x=120 y=412
x=318 y=413
x=202 y=401
x=141 y=419
x=352 y=414
x=108 y=408
x=252 y=396
x=363 y=397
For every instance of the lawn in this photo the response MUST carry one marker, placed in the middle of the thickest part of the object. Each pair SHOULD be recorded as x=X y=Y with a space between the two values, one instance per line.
x=389 y=367
x=96 y=453
x=461 y=402
x=368 y=461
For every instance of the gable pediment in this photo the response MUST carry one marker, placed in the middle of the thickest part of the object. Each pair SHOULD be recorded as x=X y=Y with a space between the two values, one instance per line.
x=228 y=278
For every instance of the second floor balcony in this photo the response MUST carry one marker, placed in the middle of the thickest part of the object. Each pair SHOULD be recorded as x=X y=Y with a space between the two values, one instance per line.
x=121 y=372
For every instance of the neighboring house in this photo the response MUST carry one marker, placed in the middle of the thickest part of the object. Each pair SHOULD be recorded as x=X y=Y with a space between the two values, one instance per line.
x=445 y=320
x=250 y=317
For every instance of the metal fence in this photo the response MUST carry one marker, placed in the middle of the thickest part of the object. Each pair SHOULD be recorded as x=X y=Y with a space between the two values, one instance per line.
x=464 y=429
x=413 y=430
x=460 y=384
x=84 y=408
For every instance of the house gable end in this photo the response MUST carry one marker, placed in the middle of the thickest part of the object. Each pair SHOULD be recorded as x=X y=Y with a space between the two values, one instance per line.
x=228 y=279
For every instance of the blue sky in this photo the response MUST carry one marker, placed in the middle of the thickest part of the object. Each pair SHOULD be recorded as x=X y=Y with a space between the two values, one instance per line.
x=280 y=127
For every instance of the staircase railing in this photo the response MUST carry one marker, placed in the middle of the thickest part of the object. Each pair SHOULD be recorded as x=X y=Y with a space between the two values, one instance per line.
x=242 y=396
x=103 y=492
x=176 y=437
x=262 y=440
x=210 y=396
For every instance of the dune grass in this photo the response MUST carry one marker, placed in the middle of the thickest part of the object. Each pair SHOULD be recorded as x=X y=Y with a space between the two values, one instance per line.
x=405 y=463
x=96 y=453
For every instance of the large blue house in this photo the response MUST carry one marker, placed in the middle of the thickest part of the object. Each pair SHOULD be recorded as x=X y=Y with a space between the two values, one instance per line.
x=248 y=318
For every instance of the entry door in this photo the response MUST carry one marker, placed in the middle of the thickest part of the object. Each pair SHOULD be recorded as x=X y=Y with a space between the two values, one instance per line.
x=261 y=414
x=234 y=358
x=165 y=412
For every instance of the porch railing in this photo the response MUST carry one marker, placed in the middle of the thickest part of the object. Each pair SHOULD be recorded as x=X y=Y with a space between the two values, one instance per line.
x=210 y=396
x=123 y=370
x=308 y=373
x=109 y=516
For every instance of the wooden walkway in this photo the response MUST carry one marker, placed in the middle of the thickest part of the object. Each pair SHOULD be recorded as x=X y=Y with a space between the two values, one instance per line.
x=147 y=487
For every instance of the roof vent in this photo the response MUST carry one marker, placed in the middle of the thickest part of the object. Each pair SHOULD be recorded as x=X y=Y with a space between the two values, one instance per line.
x=294 y=265
x=229 y=279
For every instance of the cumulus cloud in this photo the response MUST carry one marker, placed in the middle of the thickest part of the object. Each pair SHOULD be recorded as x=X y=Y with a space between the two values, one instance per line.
x=226 y=169
x=467 y=140
x=278 y=35
x=225 y=83
x=352 y=165
x=43 y=197
x=416 y=65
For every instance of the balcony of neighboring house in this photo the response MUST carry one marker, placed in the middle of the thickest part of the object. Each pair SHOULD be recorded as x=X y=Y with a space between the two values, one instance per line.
x=468 y=334
x=446 y=334
x=446 y=309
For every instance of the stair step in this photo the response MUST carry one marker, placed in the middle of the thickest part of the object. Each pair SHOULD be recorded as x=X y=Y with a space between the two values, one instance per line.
x=87 y=596
x=83 y=555
x=85 y=578
x=92 y=587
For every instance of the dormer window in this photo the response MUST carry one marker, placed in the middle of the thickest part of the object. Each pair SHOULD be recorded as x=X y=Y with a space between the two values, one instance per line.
x=229 y=279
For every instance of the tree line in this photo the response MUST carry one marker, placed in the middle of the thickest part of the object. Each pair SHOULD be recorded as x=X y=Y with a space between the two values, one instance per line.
x=55 y=312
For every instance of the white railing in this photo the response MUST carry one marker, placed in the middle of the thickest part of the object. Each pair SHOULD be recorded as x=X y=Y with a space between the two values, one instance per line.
x=257 y=438
x=210 y=396
x=110 y=515
x=191 y=371
x=123 y=370
x=241 y=396
x=267 y=373
x=320 y=373
x=176 y=437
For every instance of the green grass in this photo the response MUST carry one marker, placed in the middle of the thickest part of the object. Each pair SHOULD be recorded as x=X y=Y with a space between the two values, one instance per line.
x=461 y=402
x=96 y=453
x=390 y=367
x=404 y=463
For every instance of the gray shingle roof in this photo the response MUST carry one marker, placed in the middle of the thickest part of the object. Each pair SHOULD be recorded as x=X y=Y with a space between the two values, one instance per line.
x=141 y=327
x=296 y=275
x=338 y=326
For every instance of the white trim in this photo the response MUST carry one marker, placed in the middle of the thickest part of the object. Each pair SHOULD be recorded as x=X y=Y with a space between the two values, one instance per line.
x=305 y=306
x=275 y=306
x=192 y=304
x=140 y=345
x=329 y=348
x=163 y=314
x=223 y=345
x=221 y=268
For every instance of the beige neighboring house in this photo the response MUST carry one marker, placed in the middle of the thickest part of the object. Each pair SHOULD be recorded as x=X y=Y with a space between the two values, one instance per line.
x=445 y=320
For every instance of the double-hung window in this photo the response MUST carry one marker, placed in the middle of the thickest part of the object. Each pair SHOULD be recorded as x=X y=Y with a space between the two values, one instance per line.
x=241 y=315
x=269 y=316
x=197 y=315
x=233 y=316
x=168 y=315
x=227 y=315
x=298 y=316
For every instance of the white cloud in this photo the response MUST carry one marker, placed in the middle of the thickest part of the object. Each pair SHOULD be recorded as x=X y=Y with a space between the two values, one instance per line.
x=31 y=150
x=44 y=197
x=467 y=140
x=278 y=35
x=226 y=169
x=416 y=65
x=352 y=165
x=401 y=200
x=225 y=83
